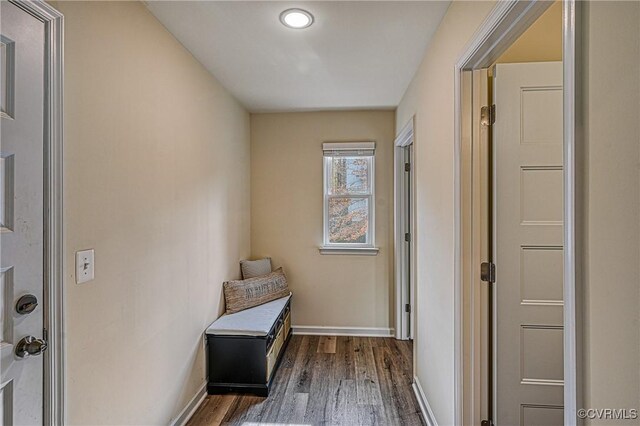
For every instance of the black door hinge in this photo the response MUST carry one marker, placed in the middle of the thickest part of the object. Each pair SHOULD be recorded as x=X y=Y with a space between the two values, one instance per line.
x=407 y=167
x=407 y=308
x=407 y=237
x=488 y=115
x=486 y=423
x=488 y=272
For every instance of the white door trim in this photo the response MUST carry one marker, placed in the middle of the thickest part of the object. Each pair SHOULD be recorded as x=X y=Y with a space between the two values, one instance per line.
x=404 y=323
x=54 y=371
x=507 y=21
x=571 y=27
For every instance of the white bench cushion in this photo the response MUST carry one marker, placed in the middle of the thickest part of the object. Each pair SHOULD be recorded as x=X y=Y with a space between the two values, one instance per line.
x=256 y=321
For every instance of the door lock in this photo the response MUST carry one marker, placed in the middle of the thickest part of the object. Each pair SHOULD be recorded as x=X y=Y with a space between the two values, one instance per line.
x=29 y=345
x=26 y=304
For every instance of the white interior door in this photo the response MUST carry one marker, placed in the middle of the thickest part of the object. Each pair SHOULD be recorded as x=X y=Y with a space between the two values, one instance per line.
x=407 y=206
x=21 y=216
x=528 y=244
x=403 y=234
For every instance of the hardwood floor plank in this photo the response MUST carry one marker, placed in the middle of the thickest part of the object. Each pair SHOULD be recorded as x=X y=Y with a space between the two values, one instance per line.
x=405 y=349
x=345 y=363
x=338 y=381
x=370 y=415
x=386 y=386
x=242 y=409
x=301 y=371
x=344 y=411
x=320 y=392
x=368 y=388
x=327 y=345
x=395 y=384
x=212 y=410
x=291 y=353
x=271 y=406
x=294 y=409
x=414 y=419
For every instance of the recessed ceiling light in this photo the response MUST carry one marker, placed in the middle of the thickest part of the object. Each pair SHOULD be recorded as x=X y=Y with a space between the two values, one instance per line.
x=296 y=18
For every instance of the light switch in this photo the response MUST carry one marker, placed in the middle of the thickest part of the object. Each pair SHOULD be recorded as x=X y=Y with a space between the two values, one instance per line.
x=84 y=266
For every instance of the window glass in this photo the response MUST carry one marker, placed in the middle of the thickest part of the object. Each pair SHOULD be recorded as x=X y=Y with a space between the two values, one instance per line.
x=348 y=220
x=349 y=175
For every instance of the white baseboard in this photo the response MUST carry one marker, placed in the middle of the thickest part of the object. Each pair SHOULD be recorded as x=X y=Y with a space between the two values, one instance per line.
x=427 y=413
x=191 y=407
x=318 y=330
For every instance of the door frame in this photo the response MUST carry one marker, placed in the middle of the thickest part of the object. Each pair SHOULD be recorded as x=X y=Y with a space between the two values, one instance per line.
x=53 y=321
x=504 y=24
x=403 y=322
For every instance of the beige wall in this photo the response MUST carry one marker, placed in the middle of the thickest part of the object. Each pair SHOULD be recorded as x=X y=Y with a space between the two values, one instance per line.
x=286 y=218
x=542 y=42
x=611 y=73
x=430 y=97
x=157 y=181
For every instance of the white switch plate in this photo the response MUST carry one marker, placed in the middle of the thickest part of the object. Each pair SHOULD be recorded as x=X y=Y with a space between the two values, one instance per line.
x=84 y=266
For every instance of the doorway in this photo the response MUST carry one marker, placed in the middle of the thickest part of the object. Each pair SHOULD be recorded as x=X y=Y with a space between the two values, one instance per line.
x=404 y=240
x=517 y=353
x=31 y=371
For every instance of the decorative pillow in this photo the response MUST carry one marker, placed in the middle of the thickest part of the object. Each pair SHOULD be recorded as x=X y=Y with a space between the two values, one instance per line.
x=244 y=294
x=255 y=268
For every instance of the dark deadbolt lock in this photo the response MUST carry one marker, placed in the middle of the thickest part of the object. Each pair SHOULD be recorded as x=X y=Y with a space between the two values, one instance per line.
x=26 y=304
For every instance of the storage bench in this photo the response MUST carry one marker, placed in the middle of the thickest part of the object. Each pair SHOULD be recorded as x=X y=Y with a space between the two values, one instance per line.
x=245 y=348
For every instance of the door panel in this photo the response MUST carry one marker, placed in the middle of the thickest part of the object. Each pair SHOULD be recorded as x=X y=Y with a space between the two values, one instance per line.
x=21 y=210
x=528 y=245
x=407 y=229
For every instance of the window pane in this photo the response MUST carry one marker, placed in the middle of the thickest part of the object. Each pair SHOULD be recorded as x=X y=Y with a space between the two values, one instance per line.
x=348 y=220
x=349 y=175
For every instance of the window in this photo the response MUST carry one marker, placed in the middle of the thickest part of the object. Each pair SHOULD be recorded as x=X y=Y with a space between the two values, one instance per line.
x=349 y=197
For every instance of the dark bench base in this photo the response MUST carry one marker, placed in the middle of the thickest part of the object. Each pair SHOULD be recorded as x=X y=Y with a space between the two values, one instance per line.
x=258 y=390
x=238 y=364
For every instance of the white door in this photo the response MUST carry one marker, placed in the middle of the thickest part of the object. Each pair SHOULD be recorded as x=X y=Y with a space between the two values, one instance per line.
x=403 y=234
x=21 y=216
x=407 y=241
x=528 y=243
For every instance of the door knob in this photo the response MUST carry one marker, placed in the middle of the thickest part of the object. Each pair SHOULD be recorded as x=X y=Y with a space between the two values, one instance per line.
x=29 y=345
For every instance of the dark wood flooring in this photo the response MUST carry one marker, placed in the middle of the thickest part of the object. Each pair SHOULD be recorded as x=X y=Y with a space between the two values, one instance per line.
x=325 y=380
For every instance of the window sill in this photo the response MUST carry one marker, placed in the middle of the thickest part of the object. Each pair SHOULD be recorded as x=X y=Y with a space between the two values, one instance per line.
x=353 y=251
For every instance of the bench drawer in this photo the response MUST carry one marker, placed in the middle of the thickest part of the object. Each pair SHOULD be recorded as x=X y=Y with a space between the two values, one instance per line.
x=272 y=355
x=287 y=325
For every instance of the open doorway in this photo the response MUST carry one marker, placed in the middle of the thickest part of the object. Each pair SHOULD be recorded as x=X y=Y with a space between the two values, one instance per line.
x=518 y=294
x=404 y=232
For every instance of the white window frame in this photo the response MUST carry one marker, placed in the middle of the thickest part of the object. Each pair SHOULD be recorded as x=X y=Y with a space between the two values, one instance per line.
x=349 y=149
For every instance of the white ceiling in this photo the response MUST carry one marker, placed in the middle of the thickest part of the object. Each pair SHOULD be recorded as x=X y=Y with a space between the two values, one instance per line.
x=357 y=54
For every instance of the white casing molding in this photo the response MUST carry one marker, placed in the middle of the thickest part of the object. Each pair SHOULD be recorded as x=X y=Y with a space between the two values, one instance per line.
x=405 y=136
x=425 y=408
x=404 y=288
x=573 y=156
x=320 y=330
x=191 y=407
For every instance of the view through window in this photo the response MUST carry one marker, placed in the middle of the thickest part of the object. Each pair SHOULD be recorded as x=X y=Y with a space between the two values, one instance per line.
x=349 y=198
